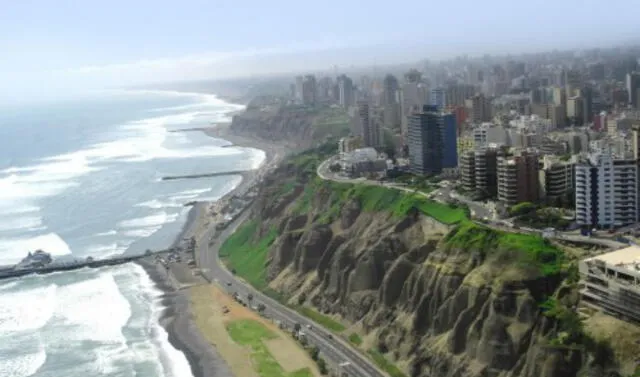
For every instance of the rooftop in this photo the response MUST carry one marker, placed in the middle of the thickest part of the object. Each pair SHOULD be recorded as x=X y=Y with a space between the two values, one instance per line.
x=627 y=257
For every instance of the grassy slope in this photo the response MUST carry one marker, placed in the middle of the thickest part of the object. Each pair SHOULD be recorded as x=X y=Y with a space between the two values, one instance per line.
x=251 y=333
x=248 y=255
x=525 y=250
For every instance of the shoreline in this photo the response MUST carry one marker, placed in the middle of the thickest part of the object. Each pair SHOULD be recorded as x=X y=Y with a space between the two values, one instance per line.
x=177 y=316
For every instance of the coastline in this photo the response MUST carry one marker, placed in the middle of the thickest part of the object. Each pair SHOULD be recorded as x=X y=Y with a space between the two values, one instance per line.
x=177 y=317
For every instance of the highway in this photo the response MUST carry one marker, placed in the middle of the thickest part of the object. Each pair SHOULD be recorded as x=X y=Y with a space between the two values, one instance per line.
x=335 y=351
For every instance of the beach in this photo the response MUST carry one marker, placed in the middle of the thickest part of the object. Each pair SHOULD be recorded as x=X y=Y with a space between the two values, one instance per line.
x=183 y=285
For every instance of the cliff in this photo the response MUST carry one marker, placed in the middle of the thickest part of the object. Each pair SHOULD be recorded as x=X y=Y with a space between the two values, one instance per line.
x=295 y=124
x=416 y=281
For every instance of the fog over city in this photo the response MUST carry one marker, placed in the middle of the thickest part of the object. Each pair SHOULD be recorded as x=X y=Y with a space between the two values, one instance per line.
x=63 y=46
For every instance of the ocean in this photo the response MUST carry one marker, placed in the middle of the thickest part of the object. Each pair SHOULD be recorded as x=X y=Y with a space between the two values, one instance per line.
x=83 y=178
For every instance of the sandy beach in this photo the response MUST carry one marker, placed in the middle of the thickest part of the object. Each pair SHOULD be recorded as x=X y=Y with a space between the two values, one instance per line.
x=187 y=315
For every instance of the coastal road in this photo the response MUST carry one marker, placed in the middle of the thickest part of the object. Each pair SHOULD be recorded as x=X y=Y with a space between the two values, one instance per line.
x=480 y=211
x=335 y=351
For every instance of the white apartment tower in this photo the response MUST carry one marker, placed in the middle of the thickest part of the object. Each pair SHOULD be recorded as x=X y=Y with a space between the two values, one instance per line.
x=606 y=191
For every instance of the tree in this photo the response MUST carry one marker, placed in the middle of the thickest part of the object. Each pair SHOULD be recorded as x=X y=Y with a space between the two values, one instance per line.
x=322 y=366
x=315 y=353
x=303 y=341
x=261 y=307
x=297 y=327
x=250 y=297
x=302 y=298
x=335 y=168
x=522 y=209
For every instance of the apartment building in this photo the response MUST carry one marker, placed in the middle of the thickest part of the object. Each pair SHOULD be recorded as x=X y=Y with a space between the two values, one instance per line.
x=612 y=282
x=556 y=178
x=370 y=125
x=478 y=171
x=426 y=141
x=606 y=191
x=518 y=178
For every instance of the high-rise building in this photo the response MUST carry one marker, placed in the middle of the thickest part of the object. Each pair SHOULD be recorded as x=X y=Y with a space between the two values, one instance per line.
x=413 y=97
x=457 y=94
x=438 y=98
x=518 y=178
x=479 y=108
x=575 y=110
x=478 y=171
x=606 y=193
x=559 y=96
x=449 y=141
x=413 y=76
x=390 y=103
x=390 y=89
x=633 y=88
x=299 y=89
x=309 y=90
x=345 y=91
x=425 y=141
x=587 y=104
x=556 y=179
x=370 y=126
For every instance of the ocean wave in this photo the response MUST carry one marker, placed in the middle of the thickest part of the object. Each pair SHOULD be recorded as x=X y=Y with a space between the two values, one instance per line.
x=112 y=232
x=173 y=362
x=136 y=141
x=107 y=250
x=94 y=309
x=24 y=365
x=27 y=310
x=157 y=219
x=12 y=250
x=13 y=223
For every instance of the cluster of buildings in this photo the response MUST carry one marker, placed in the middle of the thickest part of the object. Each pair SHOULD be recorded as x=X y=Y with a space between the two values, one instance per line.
x=559 y=127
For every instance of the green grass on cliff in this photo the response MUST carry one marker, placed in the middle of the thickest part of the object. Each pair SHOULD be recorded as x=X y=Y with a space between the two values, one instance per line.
x=248 y=255
x=529 y=250
x=323 y=320
x=355 y=339
x=385 y=364
x=374 y=199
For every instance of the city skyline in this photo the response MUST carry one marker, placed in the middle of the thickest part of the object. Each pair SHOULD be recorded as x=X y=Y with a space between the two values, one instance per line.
x=67 y=46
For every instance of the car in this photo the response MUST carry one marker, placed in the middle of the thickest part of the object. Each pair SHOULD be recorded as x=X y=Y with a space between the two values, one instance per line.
x=330 y=336
x=309 y=326
x=228 y=284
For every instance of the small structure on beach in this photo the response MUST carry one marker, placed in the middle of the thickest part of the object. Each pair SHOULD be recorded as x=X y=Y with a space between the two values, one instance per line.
x=37 y=259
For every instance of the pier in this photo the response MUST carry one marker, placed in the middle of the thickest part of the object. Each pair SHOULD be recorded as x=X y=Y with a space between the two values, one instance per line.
x=205 y=175
x=9 y=273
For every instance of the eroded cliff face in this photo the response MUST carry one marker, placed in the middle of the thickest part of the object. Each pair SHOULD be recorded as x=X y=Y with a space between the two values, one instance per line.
x=434 y=306
x=275 y=124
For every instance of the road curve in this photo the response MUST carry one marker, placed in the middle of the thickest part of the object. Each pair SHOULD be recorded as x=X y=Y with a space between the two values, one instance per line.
x=324 y=173
x=335 y=350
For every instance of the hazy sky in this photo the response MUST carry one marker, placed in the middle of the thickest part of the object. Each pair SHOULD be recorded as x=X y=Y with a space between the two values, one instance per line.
x=64 y=44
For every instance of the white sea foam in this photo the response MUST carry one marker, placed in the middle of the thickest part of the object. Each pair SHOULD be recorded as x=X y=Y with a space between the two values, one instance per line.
x=7 y=286
x=27 y=364
x=175 y=362
x=107 y=250
x=28 y=310
x=107 y=233
x=140 y=233
x=13 y=223
x=142 y=140
x=94 y=309
x=12 y=250
x=158 y=218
